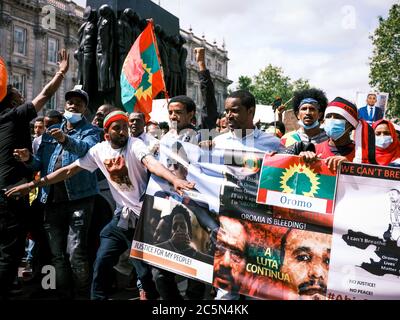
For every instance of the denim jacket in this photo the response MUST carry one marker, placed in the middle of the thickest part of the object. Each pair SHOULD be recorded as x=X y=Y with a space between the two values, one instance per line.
x=79 y=140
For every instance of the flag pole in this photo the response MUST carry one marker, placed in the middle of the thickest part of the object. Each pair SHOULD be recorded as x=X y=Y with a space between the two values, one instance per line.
x=158 y=56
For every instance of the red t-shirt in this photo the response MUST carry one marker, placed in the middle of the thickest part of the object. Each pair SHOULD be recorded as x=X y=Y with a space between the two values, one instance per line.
x=326 y=150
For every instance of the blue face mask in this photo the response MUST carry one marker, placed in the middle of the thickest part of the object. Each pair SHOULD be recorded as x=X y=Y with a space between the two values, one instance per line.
x=72 y=117
x=335 y=128
x=314 y=125
x=383 y=141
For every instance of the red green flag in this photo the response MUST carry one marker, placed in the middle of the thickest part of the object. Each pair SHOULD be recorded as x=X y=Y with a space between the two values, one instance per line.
x=3 y=79
x=286 y=181
x=141 y=76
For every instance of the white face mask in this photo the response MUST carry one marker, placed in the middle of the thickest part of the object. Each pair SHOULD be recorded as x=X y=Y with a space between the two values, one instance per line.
x=72 y=117
x=383 y=141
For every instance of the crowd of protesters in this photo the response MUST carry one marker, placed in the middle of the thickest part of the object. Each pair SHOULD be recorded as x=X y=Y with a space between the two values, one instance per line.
x=49 y=179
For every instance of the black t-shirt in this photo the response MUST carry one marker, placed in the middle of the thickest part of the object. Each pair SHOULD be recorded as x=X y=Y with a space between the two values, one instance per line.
x=14 y=134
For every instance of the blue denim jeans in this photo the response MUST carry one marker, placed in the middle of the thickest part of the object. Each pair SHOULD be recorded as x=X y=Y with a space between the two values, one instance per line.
x=66 y=226
x=113 y=242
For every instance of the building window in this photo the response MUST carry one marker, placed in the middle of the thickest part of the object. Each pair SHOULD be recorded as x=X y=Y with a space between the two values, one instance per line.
x=52 y=103
x=192 y=55
x=52 y=49
x=195 y=95
x=20 y=40
x=18 y=82
x=219 y=67
x=208 y=63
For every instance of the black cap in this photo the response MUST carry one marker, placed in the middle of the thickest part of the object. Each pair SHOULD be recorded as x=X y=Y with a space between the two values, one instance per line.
x=76 y=92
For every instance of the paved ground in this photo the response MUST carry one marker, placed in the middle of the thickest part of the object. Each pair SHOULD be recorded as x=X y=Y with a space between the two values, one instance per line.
x=28 y=289
x=124 y=287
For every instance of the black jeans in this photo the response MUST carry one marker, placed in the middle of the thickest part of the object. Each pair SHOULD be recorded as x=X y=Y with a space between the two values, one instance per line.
x=168 y=288
x=12 y=239
x=113 y=242
x=67 y=225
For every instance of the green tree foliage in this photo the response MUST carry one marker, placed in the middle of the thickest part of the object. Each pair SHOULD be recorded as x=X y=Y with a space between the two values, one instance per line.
x=270 y=83
x=245 y=83
x=385 y=62
x=300 y=84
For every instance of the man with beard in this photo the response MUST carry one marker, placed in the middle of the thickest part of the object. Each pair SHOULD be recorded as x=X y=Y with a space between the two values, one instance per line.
x=305 y=259
x=123 y=160
x=229 y=261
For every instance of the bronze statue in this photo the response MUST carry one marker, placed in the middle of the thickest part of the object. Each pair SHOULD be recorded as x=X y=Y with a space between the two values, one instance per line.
x=135 y=22
x=163 y=50
x=86 y=52
x=182 y=64
x=125 y=35
x=105 y=52
x=174 y=79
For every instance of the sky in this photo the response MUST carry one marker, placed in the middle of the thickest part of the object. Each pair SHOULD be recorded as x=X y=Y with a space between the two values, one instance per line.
x=326 y=42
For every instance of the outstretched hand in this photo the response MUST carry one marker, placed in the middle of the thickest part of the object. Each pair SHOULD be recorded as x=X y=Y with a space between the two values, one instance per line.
x=200 y=55
x=19 y=191
x=57 y=134
x=180 y=185
x=63 y=63
x=22 y=155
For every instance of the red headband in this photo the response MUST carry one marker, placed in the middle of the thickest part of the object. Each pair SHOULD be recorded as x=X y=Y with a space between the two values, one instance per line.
x=112 y=117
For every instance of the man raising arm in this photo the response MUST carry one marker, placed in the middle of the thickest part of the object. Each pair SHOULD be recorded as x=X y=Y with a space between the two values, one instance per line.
x=123 y=160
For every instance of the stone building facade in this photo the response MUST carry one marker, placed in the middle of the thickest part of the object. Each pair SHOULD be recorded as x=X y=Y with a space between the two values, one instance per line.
x=216 y=62
x=33 y=31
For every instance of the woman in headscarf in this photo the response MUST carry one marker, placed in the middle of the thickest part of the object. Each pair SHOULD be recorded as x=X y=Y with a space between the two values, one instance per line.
x=387 y=142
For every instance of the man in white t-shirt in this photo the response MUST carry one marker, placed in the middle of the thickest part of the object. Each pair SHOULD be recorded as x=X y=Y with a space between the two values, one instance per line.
x=123 y=160
x=243 y=136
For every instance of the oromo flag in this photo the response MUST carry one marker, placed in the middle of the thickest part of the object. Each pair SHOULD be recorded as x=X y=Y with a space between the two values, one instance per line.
x=141 y=76
x=286 y=181
x=3 y=79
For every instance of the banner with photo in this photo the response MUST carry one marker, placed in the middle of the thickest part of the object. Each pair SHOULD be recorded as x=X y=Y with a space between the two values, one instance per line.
x=219 y=234
x=382 y=99
x=365 y=257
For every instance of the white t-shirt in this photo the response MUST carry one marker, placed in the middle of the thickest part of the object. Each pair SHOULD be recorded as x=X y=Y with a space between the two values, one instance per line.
x=256 y=140
x=123 y=168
